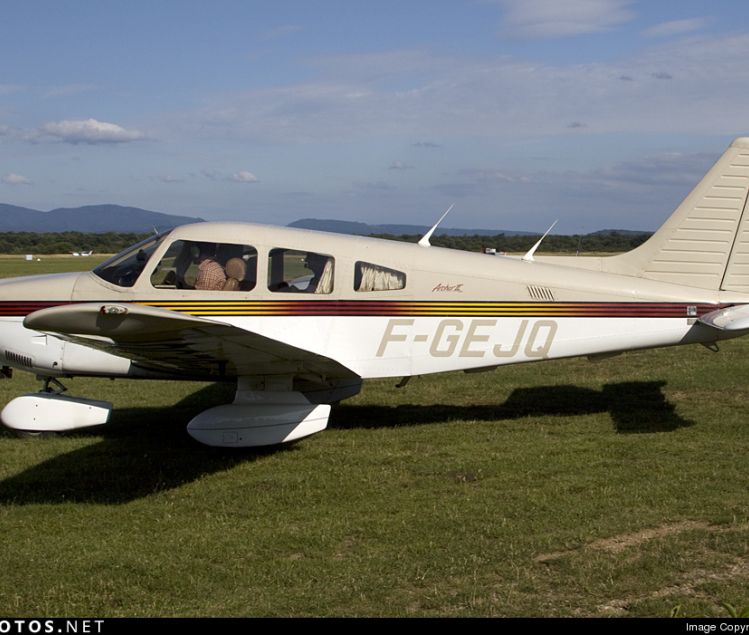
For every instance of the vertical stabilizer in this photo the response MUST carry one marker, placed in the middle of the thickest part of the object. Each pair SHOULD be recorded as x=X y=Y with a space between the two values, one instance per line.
x=705 y=242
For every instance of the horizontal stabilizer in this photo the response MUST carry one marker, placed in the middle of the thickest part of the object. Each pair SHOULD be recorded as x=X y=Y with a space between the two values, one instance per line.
x=734 y=318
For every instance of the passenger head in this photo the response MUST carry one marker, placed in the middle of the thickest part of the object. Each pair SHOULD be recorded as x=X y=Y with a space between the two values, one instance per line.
x=316 y=262
x=206 y=251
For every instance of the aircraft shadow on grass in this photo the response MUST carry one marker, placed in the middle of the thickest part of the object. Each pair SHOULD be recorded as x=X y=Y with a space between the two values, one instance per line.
x=140 y=452
x=144 y=451
x=634 y=407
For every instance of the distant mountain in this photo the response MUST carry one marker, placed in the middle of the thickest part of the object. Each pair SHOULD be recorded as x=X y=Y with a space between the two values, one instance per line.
x=363 y=229
x=96 y=219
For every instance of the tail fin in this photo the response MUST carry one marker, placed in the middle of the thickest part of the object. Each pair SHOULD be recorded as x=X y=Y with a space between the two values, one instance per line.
x=705 y=242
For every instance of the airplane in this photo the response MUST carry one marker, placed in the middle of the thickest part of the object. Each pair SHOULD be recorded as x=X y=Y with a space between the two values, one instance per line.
x=299 y=318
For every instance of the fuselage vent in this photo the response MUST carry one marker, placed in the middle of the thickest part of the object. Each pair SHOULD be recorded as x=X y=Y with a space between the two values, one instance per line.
x=18 y=360
x=540 y=293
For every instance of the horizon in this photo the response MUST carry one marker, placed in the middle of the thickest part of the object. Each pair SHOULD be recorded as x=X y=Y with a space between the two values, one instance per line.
x=603 y=114
x=294 y=223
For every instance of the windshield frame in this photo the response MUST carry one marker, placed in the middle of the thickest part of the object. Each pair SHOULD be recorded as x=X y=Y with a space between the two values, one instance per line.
x=125 y=268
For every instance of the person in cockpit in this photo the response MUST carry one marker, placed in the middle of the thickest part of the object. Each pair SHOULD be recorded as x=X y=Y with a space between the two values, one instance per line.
x=211 y=275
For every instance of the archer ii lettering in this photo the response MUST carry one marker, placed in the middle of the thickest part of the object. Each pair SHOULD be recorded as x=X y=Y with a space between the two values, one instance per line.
x=455 y=288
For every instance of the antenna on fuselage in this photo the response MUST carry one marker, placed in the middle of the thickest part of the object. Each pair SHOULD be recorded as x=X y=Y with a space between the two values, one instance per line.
x=424 y=242
x=529 y=256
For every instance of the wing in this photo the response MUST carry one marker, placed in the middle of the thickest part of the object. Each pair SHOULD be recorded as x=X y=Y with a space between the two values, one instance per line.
x=182 y=344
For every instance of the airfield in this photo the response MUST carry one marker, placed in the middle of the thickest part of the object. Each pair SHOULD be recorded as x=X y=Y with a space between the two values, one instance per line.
x=567 y=488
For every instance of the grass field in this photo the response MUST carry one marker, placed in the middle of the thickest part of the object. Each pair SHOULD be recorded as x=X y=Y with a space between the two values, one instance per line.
x=565 y=488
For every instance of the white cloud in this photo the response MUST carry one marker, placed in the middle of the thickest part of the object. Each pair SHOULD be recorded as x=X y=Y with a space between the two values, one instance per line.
x=243 y=176
x=15 y=179
x=399 y=165
x=672 y=169
x=676 y=27
x=88 y=131
x=426 y=144
x=552 y=18
x=636 y=194
x=480 y=182
x=456 y=97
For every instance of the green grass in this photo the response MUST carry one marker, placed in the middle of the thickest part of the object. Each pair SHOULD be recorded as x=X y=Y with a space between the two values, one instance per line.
x=11 y=266
x=565 y=488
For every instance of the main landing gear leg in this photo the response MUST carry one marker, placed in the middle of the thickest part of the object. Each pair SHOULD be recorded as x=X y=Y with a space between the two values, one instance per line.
x=52 y=385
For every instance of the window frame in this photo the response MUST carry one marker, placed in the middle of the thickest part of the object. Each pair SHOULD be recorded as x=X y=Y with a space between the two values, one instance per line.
x=359 y=275
x=185 y=267
x=280 y=280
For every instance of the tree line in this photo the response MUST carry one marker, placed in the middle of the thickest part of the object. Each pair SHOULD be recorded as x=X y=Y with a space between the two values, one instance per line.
x=65 y=242
x=112 y=242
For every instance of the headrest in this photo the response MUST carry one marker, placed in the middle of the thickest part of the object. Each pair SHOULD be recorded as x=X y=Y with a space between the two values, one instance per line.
x=236 y=268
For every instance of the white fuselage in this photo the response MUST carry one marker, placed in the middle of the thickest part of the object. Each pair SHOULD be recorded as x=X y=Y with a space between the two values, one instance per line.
x=308 y=316
x=394 y=347
x=456 y=310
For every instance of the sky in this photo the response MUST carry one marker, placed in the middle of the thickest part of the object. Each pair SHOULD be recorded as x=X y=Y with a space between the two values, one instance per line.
x=599 y=113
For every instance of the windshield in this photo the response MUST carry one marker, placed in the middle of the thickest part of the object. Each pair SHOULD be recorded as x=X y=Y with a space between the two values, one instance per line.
x=124 y=268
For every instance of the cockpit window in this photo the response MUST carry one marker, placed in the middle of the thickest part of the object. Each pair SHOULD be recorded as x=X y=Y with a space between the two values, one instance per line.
x=293 y=271
x=124 y=268
x=371 y=277
x=205 y=266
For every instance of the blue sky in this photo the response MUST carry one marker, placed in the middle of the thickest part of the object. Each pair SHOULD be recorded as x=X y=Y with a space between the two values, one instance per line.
x=601 y=113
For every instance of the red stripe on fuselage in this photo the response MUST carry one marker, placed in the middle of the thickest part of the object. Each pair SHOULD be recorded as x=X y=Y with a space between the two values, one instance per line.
x=399 y=308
